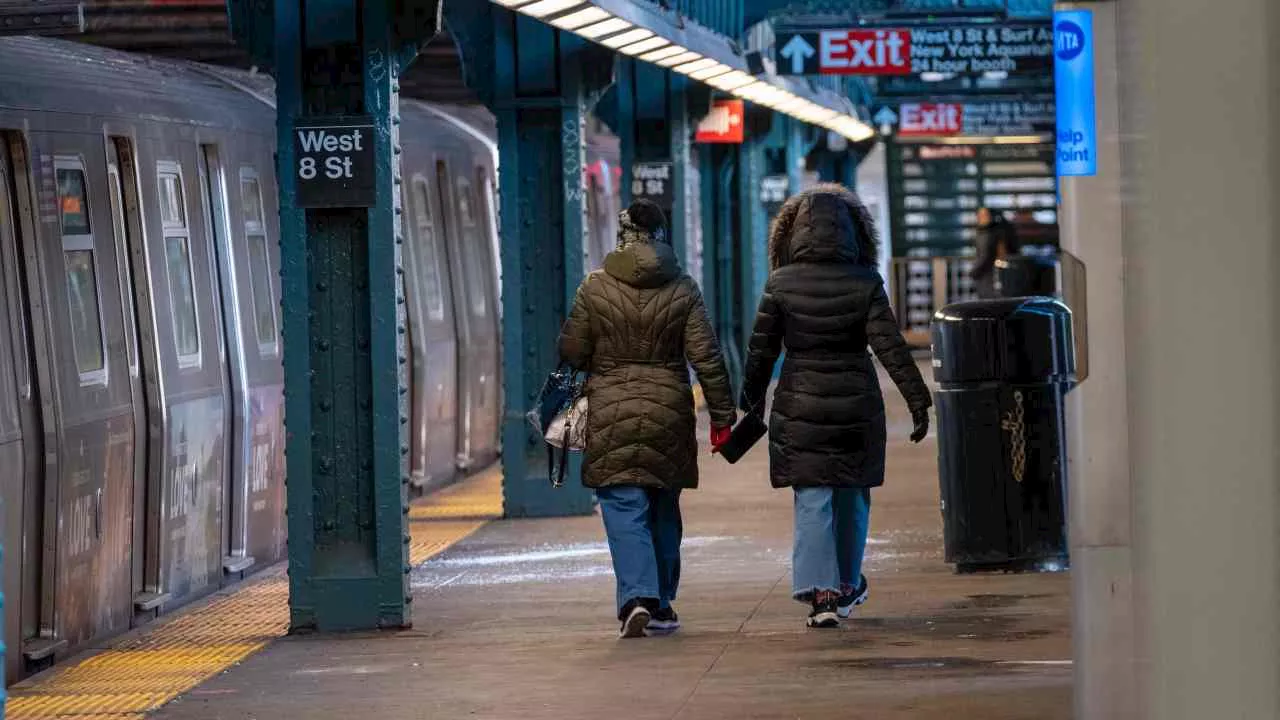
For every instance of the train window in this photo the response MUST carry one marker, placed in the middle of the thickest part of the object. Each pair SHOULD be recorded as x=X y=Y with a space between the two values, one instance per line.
x=426 y=242
x=177 y=252
x=79 y=264
x=255 y=231
x=473 y=238
x=86 y=318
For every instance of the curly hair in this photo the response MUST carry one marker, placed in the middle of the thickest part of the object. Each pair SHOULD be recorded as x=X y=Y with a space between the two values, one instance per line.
x=868 y=238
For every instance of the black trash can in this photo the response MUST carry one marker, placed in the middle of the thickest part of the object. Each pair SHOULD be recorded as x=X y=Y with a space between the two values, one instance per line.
x=1004 y=367
x=1027 y=275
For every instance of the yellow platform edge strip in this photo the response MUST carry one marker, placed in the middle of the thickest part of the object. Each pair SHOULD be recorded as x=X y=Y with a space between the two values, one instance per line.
x=144 y=672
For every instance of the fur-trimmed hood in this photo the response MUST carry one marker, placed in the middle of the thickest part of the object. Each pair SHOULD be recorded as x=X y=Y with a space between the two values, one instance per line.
x=827 y=223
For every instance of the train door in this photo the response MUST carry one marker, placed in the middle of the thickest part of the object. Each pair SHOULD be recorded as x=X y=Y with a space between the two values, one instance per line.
x=239 y=448
x=20 y=453
x=484 y=356
x=466 y=379
x=434 y=339
x=126 y=227
x=86 y=588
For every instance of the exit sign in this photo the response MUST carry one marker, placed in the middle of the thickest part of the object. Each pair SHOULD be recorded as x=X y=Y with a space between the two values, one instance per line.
x=724 y=124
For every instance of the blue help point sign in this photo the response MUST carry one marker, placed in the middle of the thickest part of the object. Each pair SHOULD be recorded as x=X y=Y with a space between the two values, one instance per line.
x=1077 y=131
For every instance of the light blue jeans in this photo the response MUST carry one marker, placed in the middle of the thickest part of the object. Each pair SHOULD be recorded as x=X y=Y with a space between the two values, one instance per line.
x=830 y=539
x=644 y=530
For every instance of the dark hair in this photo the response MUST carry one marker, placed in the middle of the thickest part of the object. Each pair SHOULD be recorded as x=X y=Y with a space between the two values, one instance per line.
x=647 y=216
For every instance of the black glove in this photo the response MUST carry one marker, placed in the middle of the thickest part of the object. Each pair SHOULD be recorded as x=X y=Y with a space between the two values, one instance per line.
x=921 y=419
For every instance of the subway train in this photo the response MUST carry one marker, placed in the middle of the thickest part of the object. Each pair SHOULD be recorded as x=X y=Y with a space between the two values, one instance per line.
x=141 y=384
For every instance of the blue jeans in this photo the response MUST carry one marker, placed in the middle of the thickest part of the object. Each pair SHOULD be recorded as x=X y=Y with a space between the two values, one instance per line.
x=644 y=530
x=830 y=539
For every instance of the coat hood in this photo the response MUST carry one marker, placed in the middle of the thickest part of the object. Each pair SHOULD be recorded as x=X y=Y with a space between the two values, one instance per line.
x=643 y=259
x=827 y=223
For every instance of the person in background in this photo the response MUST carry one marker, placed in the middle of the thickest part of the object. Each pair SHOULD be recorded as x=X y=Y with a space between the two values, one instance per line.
x=825 y=303
x=997 y=238
x=636 y=326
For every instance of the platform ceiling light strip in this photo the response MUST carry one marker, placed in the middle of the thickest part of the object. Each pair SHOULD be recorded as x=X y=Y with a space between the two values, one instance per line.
x=543 y=8
x=577 y=19
x=595 y=23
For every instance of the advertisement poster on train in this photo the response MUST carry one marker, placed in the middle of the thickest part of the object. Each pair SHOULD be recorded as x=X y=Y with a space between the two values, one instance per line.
x=1013 y=48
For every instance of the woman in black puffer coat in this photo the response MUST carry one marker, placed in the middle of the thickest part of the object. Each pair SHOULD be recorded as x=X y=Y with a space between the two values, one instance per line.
x=825 y=303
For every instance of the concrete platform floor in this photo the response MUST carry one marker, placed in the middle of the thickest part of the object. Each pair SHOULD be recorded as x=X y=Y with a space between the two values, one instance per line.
x=517 y=622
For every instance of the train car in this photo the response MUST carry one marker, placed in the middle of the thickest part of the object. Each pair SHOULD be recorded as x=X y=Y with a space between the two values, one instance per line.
x=141 y=384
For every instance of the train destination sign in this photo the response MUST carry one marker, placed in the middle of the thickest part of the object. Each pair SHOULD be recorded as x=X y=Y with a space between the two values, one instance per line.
x=333 y=162
x=962 y=50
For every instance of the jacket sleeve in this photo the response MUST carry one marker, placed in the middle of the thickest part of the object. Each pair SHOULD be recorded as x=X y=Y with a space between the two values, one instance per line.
x=702 y=350
x=576 y=342
x=762 y=351
x=894 y=353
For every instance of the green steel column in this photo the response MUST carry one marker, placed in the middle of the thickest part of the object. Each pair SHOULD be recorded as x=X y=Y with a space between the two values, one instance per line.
x=542 y=83
x=337 y=64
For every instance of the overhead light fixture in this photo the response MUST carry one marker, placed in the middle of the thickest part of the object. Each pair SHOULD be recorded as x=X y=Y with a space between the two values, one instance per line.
x=692 y=67
x=543 y=8
x=682 y=58
x=512 y=3
x=626 y=38
x=585 y=16
x=643 y=46
x=710 y=72
x=731 y=81
x=663 y=53
x=612 y=25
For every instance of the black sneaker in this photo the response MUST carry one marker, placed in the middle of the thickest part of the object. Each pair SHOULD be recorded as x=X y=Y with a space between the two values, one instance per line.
x=664 y=622
x=825 y=613
x=848 y=601
x=634 y=620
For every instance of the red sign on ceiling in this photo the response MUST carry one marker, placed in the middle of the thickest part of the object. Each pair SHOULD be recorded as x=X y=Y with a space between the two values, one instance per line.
x=931 y=119
x=724 y=124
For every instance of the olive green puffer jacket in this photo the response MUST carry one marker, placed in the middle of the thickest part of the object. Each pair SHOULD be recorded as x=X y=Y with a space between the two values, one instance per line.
x=636 y=327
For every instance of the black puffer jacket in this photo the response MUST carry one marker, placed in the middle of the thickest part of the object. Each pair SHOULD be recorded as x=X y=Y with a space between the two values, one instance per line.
x=636 y=326
x=825 y=303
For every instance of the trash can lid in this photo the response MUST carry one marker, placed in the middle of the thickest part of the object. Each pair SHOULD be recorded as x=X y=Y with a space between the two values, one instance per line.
x=999 y=309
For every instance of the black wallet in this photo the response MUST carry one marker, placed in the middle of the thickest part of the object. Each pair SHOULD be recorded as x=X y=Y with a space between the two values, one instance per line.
x=745 y=434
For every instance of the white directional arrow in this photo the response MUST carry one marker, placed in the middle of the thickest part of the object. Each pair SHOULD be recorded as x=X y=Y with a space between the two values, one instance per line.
x=886 y=116
x=797 y=51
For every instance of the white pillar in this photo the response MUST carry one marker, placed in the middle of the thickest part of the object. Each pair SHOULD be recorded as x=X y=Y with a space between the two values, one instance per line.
x=1199 y=295
x=1097 y=412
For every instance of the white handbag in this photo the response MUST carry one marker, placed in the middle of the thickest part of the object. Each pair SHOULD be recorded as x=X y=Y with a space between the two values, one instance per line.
x=568 y=431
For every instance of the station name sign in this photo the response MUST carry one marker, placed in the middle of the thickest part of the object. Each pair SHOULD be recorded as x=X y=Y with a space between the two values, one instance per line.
x=334 y=162
x=652 y=181
x=1015 y=48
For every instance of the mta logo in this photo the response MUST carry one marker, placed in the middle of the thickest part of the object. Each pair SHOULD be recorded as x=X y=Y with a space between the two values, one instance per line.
x=1068 y=40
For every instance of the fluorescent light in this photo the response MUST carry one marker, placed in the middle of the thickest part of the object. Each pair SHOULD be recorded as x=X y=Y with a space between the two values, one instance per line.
x=542 y=8
x=512 y=3
x=612 y=25
x=643 y=46
x=696 y=65
x=663 y=53
x=731 y=81
x=626 y=38
x=710 y=72
x=585 y=16
x=680 y=59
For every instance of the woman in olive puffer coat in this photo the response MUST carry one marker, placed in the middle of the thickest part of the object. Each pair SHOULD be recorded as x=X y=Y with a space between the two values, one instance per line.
x=636 y=326
x=825 y=303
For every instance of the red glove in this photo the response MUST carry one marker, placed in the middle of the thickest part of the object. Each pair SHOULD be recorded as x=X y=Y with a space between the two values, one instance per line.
x=719 y=436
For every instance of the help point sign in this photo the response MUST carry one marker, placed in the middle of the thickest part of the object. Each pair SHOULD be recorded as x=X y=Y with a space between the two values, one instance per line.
x=1077 y=152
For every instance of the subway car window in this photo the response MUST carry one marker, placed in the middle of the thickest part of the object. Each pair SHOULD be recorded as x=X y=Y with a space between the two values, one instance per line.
x=255 y=231
x=177 y=250
x=87 y=340
x=473 y=249
x=427 y=242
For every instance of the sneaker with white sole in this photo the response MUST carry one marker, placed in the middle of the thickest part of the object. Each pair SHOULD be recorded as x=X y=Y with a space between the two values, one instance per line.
x=664 y=622
x=824 y=614
x=848 y=601
x=635 y=622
